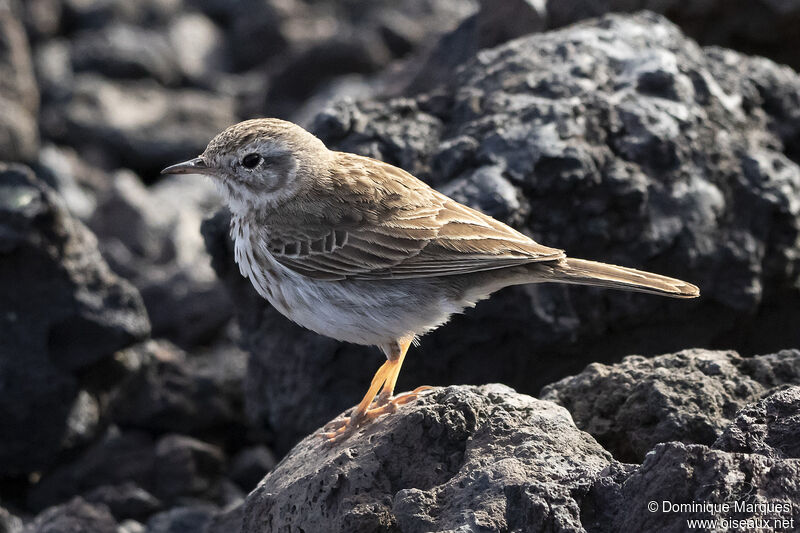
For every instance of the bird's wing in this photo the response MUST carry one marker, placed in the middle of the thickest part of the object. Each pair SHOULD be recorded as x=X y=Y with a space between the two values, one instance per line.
x=401 y=229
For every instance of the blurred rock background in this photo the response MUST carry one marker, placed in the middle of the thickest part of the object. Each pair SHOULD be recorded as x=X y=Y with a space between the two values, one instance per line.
x=145 y=387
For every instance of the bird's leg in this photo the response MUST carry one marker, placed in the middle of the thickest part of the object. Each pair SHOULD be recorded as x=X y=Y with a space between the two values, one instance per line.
x=397 y=355
x=368 y=409
x=339 y=426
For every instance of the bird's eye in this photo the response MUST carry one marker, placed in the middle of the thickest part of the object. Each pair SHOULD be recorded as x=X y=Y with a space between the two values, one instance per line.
x=251 y=161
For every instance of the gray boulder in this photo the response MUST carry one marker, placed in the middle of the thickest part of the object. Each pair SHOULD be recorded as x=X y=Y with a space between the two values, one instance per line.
x=753 y=486
x=458 y=458
x=174 y=392
x=769 y=427
x=617 y=139
x=690 y=396
x=125 y=51
x=135 y=474
x=135 y=124
x=149 y=236
x=76 y=516
x=63 y=314
x=19 y=96
x=762 y=27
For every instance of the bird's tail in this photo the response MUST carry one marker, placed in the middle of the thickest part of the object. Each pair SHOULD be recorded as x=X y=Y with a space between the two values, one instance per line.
x=582 y=272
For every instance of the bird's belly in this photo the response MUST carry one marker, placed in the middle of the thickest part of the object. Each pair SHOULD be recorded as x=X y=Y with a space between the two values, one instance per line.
x=361 y=312
x=369 y=312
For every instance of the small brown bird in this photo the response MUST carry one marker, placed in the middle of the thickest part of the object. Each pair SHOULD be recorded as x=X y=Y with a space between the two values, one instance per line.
x=364 y=252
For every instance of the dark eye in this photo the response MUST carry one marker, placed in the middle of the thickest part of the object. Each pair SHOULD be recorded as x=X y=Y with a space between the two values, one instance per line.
x=251 y=161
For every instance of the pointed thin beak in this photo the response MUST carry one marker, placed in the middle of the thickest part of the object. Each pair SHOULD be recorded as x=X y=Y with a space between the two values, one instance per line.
x=192 y=166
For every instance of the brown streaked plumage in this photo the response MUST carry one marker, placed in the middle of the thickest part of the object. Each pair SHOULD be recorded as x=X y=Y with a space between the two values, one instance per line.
x=361 y=251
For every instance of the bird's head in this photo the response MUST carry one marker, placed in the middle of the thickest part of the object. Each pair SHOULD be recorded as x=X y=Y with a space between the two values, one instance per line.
x=259 y=163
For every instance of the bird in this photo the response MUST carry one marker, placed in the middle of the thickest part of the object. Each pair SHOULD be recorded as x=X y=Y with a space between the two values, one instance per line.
x=361 y=251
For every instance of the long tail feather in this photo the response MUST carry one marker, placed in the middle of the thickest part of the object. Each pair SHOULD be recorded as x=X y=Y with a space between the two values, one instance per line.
x=582 y=272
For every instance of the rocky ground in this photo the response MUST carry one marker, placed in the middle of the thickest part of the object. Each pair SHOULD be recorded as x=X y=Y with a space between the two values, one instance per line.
x=145 y=387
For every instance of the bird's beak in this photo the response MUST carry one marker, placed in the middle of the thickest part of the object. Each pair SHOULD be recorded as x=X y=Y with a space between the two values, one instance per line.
x=192 y=166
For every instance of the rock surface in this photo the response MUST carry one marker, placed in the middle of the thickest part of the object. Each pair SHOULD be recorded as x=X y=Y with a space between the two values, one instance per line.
x=150 y=236
x=77 y=516
x=66 y=312
x=618 y=140
x=690 y=396
x=458 y=458
x=521 y=466
x=768 y=427
x=764 y=488
x=19 y=95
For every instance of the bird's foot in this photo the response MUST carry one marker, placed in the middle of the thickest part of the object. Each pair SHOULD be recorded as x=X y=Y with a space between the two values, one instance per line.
x=341 y=428
x=401 y=399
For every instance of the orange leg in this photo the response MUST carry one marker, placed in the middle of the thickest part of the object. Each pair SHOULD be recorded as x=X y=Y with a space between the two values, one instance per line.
x=386 y=376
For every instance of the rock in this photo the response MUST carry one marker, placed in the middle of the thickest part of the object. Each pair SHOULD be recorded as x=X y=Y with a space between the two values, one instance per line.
x=9 y=523
x=133 y=473
x=66 y=311
x=180 y=520
x=126 y=52
x=229 y=520
x=19 y=96
x=77 y=516
x=760 y=28
x=763 y=488
x=769 y=427
x=90 y=14
x=250 y=465
x=199 y=47
x=150 y=236
x=690 y=396
x=42 y=18
x=117 y=459
x=125 y=501
x=53 y=66
x=135 y=124
x=495 y=23
x=171 y=393
x=457 y=458
x=131 y=526
x=77 y=182
x=186 y=467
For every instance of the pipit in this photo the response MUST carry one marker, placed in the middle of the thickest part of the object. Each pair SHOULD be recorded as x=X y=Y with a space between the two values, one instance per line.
x=364 y=252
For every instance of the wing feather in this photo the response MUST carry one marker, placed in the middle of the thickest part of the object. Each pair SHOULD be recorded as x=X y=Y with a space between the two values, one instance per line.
x=404 y=229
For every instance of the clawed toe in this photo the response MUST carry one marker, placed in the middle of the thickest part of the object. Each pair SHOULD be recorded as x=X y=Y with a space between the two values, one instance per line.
x=341 y=428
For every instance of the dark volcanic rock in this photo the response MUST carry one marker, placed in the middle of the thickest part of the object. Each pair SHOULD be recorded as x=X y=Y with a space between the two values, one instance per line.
x=77 y=516
x=9 y=523
x=116 y=459
x=173 y=469
x=150 y=236
x=762 y=27
x=180 y=520
x=766 y=488
x=126 y=52
x=136 y=124
x=186 y=467
x=172 y=393
x=19 y=96
x=65 y=311
x=126 y=500
x=618 y=140
x=250 y=465
x=459 y=457
x=690 y=396
x=769 y=427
